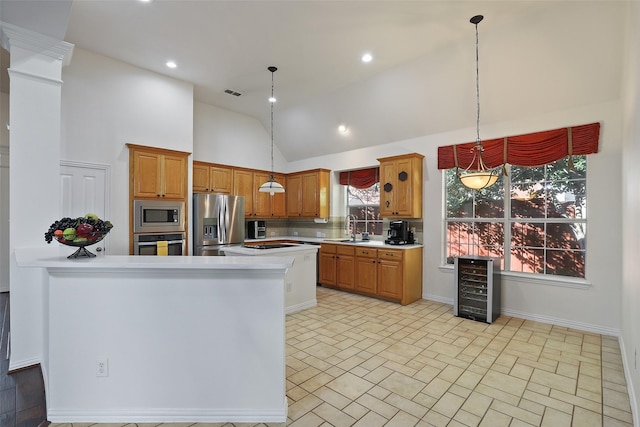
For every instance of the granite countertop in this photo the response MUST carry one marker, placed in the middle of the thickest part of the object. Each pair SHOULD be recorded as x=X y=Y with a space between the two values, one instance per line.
x=338 y=241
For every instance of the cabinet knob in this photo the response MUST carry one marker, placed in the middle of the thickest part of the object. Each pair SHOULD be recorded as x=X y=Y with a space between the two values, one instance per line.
x=157 y=195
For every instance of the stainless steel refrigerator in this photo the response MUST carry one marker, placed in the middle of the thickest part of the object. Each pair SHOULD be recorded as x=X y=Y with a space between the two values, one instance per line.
x=218 y=221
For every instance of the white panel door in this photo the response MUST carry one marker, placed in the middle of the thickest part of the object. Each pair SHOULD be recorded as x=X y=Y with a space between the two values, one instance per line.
x=84 y=189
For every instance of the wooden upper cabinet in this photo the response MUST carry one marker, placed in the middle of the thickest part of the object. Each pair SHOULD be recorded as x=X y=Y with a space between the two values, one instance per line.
x=212 y=178
x=246 y=182
x=279 y=200
x=200 y=178
x=294 y=195
x=401 y=186
x=308 y=194
x=157 y=173
x=243 y=186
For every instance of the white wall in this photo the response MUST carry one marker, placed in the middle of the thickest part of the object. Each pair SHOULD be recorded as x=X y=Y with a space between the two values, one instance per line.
x=223 y=136
x=4 y=193
x=630 y=338
x=106 y=104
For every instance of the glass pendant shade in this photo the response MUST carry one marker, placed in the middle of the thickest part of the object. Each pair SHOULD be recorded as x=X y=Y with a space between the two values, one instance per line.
x=478 y=180
x=271 y=186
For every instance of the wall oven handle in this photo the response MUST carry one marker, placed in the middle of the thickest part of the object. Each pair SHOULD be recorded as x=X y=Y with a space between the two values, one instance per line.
x=170 y=242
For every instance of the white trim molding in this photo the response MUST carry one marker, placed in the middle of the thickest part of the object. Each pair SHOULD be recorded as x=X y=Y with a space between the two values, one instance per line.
x=12 y=35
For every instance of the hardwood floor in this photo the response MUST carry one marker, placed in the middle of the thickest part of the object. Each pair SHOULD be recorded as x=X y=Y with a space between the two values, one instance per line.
x=22 y=401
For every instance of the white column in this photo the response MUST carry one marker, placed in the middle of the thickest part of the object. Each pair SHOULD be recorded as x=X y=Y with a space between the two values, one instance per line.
x=34 y=169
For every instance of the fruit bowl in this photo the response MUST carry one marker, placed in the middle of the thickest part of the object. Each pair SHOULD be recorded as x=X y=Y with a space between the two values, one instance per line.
x=92 y=238
x=79 y=233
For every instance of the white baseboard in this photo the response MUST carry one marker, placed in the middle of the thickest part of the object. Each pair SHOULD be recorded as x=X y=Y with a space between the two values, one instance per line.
x=627 y=375
x=581 y=326
x=302 y=306
x=169 y=415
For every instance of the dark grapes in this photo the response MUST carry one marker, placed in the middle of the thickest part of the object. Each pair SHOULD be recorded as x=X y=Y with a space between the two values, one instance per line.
x=100 y=227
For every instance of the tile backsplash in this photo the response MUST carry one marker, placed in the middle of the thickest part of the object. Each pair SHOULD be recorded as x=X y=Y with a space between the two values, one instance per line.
x=334 y=228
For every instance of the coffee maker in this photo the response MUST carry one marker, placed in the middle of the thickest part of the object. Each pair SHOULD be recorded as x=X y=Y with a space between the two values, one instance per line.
x=399 y=233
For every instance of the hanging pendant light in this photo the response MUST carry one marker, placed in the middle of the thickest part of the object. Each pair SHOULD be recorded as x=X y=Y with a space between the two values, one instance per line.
x=477 y=176
x=271 y=186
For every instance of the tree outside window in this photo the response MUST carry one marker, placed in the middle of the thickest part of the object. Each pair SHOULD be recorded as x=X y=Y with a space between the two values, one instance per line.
x=364 y=204
x=540 y=228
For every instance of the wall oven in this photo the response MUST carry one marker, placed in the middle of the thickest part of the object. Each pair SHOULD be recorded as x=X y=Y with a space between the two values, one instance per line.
x=158 y=216
x=148 y=244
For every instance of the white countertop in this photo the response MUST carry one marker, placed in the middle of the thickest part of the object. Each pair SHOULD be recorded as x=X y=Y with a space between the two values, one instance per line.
x=56 y=257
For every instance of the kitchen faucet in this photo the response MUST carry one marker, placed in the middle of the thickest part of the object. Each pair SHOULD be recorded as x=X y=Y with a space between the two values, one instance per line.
x=351 y=220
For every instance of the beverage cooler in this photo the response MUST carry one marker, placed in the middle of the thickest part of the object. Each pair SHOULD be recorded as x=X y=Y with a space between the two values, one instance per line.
x=477 y=295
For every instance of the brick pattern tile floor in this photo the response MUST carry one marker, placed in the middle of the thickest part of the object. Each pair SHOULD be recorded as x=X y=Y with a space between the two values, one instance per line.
x=357 y=361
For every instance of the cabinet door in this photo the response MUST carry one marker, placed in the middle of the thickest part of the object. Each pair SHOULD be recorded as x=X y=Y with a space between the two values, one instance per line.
x=328 y=269
x=294 y=195
x=174 y=177
x=388 y=174
x=402 y=199
x=390 y=278
x=345 y=267
x=366 y=274
x=262 y=201
x=200 y=178
x=147 y=171
x=279 y=200
x=310 y=195
x=243 y=186
x=221 y=179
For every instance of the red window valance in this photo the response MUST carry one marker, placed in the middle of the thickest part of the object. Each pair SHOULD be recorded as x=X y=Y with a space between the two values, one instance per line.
x=533 y=149
x=360 y=178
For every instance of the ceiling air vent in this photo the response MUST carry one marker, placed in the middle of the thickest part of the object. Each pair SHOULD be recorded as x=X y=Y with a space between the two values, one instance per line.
x=232 y=92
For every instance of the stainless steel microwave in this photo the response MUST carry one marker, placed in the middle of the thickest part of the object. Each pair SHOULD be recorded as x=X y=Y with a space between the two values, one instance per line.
x=158 y=216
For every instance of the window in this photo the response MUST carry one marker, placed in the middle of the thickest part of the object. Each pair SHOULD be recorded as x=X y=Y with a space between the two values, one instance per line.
x=364 y=204
x=540 y=228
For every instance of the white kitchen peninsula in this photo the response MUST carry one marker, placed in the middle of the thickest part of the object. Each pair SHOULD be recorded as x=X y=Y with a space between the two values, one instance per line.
x=300 y=279
x=162 y=339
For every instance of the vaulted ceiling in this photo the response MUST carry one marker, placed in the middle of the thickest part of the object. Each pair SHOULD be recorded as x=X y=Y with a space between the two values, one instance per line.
x=535 y=57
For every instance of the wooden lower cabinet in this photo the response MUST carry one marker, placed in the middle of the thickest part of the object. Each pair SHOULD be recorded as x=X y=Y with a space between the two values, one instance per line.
x=345 y=267
x=327 y=274
x=391 y=274
x=366 y=275
x=337 y=266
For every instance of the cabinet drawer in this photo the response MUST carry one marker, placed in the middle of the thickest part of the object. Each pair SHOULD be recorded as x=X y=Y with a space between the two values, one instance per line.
x=328 y=249
x=366 y=252
x=345 y=250
x=391 y=254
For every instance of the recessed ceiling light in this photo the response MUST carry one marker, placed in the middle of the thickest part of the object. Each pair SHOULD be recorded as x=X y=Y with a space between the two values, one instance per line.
x=272 y=99
x=367 y=57
x=343 y=129
x=171 y=64
x=145 y=1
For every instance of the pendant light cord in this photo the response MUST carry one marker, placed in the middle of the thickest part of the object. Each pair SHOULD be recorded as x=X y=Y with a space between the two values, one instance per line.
x=477 y=90
x=272 y=102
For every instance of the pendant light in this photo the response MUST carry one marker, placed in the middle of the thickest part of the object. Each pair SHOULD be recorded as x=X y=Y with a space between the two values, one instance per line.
x=271 y=186
x=477 y=176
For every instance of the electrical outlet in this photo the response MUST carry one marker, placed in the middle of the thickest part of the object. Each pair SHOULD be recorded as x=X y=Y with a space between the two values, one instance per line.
x=273 y=233
x=295 y=233
x=289 y=287
x=102 y=367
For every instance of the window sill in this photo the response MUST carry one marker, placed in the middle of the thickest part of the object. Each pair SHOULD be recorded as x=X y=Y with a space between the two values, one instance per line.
x=536 y=279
